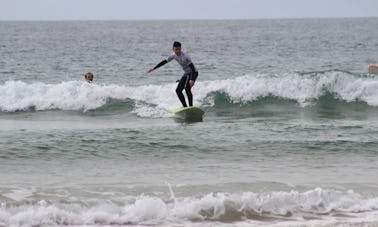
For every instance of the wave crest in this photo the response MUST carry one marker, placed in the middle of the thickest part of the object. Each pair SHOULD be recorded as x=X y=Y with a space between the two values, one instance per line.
x=155 y=100
x=317 y=204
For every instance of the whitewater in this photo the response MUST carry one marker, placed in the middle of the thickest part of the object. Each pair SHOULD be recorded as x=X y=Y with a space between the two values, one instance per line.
x=211 y=209
x=80 y=96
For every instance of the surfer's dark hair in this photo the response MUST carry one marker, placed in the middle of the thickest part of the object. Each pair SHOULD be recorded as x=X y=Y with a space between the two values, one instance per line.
x=176 y=44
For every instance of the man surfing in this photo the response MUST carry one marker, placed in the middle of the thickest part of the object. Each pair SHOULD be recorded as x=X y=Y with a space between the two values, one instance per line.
x=190 y=72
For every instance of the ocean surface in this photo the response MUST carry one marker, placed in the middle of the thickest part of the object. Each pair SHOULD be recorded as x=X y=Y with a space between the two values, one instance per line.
x=289 y=138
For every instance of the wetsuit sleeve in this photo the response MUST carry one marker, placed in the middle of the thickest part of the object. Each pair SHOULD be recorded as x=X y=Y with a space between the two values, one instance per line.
x=161 y=64
x=191 y=77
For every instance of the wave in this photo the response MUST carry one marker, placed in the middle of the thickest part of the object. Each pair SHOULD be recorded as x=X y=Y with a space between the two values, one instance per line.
x=155 y=100
x=304 y=89
x=280 y=206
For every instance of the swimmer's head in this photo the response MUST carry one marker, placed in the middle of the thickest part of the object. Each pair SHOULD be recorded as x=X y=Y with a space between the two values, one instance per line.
x=89 y=77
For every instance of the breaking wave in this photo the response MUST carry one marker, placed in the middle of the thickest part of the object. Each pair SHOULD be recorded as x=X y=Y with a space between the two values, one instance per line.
x=155 y=100
x=329 y=206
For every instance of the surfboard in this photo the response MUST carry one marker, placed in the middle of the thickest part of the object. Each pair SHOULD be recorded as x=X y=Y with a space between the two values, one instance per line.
x=188 y=114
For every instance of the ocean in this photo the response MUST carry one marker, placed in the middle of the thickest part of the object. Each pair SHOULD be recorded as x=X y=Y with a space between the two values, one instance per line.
x=289 y=137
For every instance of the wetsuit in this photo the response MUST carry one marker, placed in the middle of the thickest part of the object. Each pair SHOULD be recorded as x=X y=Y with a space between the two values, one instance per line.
x=191 y=73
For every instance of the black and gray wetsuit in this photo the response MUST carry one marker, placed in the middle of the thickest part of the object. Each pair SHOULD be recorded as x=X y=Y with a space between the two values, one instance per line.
x=191 y=73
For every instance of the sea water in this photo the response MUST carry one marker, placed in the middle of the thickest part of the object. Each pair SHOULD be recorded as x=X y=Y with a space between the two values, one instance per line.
x=289 y=138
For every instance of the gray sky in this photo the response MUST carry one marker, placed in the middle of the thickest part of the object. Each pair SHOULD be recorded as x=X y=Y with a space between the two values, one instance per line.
x=182 y=9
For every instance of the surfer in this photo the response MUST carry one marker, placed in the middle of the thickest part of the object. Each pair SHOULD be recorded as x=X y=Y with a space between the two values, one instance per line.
x=190 y=72
x=88 y=77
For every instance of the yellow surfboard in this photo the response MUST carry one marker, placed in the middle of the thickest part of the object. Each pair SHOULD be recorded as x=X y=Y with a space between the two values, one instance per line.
x=188 y=114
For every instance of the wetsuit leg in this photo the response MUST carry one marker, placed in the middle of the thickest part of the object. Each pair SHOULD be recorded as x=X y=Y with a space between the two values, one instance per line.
x=180 y=87
x=189 y=94
x=188 y=89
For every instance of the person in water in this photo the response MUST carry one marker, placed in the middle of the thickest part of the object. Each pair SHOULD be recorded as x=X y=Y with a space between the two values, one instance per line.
x=190 y=72
x=88 y=77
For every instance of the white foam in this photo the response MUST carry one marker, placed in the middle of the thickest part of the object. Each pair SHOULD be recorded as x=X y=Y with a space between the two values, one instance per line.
x=155 y=100
x=145 y=208
x=291 y=207
x=302 y=89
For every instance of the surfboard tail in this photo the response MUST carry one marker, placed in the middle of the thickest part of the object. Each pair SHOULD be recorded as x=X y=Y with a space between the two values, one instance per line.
x=189 y=114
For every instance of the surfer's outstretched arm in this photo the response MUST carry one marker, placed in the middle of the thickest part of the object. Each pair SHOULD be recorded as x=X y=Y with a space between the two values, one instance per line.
x=158 y=65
